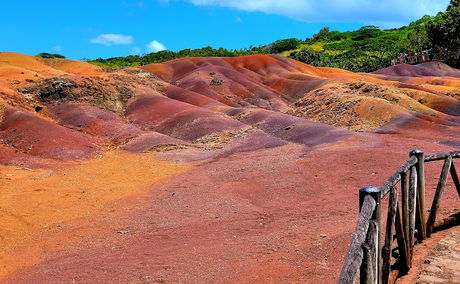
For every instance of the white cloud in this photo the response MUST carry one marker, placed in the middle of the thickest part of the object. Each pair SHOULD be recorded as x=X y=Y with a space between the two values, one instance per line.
x=136 y=51
x=111 y=39
x=367 y=11
x=57 y=48
x=155 y=46
x=238 y=20
x=137 y=4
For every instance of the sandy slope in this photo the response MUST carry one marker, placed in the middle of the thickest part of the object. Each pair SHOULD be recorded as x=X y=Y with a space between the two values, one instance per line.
x=199 y=170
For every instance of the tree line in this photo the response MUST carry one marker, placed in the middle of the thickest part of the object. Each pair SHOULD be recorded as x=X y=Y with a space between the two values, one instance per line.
x=364 y=50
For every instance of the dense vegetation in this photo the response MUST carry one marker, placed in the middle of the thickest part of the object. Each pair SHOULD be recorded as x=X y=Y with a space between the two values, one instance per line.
x=364 y=50
x=165 y=55
x=443 y=31
x=49 y=55
x=370 y=48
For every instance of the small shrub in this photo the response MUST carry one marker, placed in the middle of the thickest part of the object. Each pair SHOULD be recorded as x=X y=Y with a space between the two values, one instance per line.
x=282 y=45
x=49 y=55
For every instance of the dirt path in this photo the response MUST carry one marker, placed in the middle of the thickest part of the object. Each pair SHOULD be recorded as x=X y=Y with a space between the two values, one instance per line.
x=269 y=216
x=443 y=263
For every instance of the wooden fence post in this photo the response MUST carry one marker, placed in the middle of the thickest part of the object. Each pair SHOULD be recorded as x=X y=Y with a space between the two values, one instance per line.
x=354 y=259
x=412 y=208
x=437 y=196
x=420 y=222
x=372 y=265
x=453 y=173
x=402 y=244
x=391 y=218
x=405 y=217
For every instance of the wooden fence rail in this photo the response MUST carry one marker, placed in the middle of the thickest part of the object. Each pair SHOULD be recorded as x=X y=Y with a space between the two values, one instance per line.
x=381 y=262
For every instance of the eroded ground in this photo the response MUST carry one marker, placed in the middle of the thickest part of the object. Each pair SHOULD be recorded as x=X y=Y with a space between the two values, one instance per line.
x=203 y=170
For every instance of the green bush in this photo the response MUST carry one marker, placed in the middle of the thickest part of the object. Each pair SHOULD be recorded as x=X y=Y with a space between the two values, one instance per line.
x=443 y=30
x=282 y=45
x=309 y=56
x=326 y=35
x=49 y=55
x=366 y=32
x=166 y=55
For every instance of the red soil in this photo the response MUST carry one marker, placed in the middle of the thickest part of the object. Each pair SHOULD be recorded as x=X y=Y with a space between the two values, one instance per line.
x=32 y=135
x=263 y=216
x=203 y=170
x=94 y=121
x=177 y=119
x=430 y=69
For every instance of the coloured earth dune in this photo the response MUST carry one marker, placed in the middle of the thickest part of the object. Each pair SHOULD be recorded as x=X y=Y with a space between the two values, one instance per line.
x=203 y=170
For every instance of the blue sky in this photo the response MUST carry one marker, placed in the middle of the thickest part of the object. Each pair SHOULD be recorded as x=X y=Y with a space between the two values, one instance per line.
x=106 y=28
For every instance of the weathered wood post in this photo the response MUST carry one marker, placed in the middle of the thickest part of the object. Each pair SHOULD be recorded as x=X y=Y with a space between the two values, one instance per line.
x=405 y=217
x=420 y=222
x=359 y=244
x=391 y=218
x=453 y=173
x=371 y=266
x=437 y=196
x=412 y=207
x=402 y=244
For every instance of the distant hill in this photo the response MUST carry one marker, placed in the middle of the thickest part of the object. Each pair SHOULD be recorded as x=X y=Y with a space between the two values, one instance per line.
x=364 y=50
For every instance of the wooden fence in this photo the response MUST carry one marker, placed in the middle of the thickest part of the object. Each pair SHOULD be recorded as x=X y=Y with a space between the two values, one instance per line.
x=406 y=222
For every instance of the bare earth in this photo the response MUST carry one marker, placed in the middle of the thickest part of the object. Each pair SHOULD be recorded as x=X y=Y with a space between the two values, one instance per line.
x=165 y=175
x=437 y=260
x=443 y=264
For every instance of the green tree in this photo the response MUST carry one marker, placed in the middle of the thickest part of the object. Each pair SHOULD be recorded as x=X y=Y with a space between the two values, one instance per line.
x=282 y=45
x=309 y=56
x=322 y=34
x=453 y=4
x=443 y=30
x=367 y=32
x=418 y=35
x=49 y=55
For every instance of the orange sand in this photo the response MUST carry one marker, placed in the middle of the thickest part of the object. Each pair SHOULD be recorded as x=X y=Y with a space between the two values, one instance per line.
x=73 y=67
x=20 y=67
x=33 y=201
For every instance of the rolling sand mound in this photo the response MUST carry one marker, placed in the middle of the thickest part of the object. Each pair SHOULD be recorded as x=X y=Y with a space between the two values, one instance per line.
x=426 y=69
x=187 y=99
x=361 y=106
x=49 y=67
x=177 y=119
x=27 y=62
x=202 y=170
x=30 y=134
x=17 y=68
x=93 y=121
x=73 y=66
